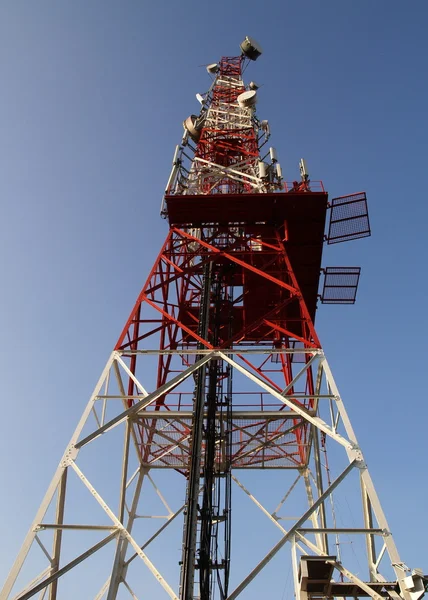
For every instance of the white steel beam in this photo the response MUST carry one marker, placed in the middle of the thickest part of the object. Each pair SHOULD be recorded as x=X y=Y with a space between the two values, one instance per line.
x=146 y=401
x=36 y=589
x=291 y=532
x=368 y=485
x=228 y=351
x=119 y=571
x=261 y=507
x=317 y=421
x=33 y=582
x=59 y=519
x=124 y=532
x=16 y=568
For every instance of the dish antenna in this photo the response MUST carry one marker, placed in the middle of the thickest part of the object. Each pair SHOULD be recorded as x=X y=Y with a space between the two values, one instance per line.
x=212 y=68
x=247 y=99
x=250 y=48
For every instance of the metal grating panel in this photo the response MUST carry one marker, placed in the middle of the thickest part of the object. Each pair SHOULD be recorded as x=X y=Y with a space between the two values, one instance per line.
x=255 y=443
x=349 y=218
x=340 y=285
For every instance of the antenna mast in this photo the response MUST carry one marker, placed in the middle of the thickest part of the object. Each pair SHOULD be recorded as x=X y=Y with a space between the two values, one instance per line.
x=218 y=380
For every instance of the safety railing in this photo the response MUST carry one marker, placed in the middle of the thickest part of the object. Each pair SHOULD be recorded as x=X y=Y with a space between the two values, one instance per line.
x=303 y=187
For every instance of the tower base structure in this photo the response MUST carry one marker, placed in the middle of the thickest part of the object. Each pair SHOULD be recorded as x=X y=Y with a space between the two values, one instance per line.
x=112 y=520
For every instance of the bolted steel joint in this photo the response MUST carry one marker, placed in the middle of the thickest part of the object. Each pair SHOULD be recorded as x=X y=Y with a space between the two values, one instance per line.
x=69 y=456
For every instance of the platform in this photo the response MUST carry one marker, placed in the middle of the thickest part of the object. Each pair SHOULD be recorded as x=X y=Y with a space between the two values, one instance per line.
x=300 y=216
x=316 y=574
x=247 y=209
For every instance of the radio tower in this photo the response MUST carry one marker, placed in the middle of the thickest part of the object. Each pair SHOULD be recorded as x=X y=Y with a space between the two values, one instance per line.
x=217 y=378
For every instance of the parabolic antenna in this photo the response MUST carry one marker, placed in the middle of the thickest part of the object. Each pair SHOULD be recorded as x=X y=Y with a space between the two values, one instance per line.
x=212 y=68
x=193 y=127
x=247 y=99
x=250 y=48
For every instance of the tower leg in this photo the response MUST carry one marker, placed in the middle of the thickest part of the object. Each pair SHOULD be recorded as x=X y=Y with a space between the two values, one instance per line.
x=256 y=436
x=58 y=534
x=120 y=566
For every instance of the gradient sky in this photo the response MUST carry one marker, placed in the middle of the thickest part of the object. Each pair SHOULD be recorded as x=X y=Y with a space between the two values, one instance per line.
x=93 y=94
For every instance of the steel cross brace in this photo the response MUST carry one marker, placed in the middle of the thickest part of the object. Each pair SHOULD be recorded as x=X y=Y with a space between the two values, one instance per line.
x=14 y=572
x=317 y=421
x=291 y=532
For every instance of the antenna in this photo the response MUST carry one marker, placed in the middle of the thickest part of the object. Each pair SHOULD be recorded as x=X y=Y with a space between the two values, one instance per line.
x=231 y=298
x=303 y=170
x=192 y=125
x=247 y=99
x=250 y=48
x=212 y=68
x=264 y=126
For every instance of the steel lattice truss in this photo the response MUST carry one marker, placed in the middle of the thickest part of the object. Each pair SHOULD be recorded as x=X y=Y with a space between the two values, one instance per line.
x=285 y=408
x=307 y=535
x=217 y=389
x=228 y=138
x=227 y=154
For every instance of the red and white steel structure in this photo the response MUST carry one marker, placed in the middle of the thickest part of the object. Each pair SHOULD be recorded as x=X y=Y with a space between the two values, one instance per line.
x=218 y=383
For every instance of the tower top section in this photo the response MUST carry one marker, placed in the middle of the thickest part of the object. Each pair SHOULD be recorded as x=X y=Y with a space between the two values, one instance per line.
x=224 y=151
x=221 y=148
x=225 y=174
x=224 y=162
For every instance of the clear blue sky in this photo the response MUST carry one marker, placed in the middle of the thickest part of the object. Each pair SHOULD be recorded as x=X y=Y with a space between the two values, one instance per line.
x=92 y=99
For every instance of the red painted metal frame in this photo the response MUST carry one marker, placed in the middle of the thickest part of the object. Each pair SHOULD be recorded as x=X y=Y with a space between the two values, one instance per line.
x=270 y=312
x=227 y=147
x=268 y=254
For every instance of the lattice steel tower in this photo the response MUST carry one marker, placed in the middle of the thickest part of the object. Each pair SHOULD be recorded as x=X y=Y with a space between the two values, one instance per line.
x=218 y=383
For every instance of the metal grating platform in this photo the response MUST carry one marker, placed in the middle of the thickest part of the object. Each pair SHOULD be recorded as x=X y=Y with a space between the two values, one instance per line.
x=340 y=285
x=349 y=218
x=263 y=439
x=316 y=582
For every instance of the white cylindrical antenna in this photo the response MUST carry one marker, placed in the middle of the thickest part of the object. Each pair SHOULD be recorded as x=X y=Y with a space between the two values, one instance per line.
x=196 y=232
x=273 y=155
x=174 y=171
x=176 y=153
x=278 y=170
x=212 y=68
x=200 y=98
x=262 y=170
x=247 y=99
x=303 y=169
x=184 y=139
